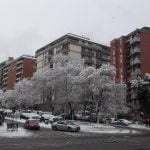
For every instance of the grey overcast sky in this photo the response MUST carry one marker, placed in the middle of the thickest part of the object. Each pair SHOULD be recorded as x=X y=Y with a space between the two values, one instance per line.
x=26 y=25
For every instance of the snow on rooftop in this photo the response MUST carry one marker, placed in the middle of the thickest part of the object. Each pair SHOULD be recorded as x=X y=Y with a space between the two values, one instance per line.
x=77 y=36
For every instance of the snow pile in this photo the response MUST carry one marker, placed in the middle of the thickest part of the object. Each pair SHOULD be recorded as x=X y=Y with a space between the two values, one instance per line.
x=43 y=125
x=9 y=133
x=138 y=126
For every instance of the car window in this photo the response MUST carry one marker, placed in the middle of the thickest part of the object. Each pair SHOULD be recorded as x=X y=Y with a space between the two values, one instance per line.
x=70 y=123
x=60 y=122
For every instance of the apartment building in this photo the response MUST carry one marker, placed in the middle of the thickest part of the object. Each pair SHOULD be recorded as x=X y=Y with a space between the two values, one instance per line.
x=17 y=69
x=2 y=64
x=130 y=55
x=75 y=47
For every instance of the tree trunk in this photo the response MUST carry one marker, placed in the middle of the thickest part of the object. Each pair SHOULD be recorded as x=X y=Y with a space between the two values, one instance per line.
x=71 y=111
x=84 y=109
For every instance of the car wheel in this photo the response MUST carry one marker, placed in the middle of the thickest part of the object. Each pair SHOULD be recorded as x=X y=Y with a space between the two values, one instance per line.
x=69 y=129
x=54 y=128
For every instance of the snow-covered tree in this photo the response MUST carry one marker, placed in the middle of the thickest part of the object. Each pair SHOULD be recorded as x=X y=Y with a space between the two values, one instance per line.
x=2 y=98
x=100 y=88
x=10 y=99
x=25 y=95
x=86 y=81
x=63 y=79
x=141 y=88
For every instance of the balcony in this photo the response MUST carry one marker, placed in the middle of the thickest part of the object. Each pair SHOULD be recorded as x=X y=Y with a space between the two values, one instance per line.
x=4 y=79
x=87 y=53
x=18 y=79
x=134 y=51
x=5 y=73
x=19 y=67
x=105 y=58
x=134 y=40
x=19 y=72
x=19 y=61
x=134 y=62
x=5 y=69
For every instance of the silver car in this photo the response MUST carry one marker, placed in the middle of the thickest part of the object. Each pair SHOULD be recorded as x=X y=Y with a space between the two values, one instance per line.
x=65 y=126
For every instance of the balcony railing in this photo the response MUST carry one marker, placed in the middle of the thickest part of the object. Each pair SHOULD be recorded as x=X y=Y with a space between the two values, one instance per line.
x=136 y=61
x=19 y=67
x=134 y=39
x=136 y=50
x=19 y=72
x=19 y=61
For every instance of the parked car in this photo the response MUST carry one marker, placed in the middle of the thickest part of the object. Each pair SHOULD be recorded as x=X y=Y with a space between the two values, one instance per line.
x=65 y=126
x=32 y=124
x=30 y=116
x=55 y=118
x=109 y=120
x=46 y=117
x=121 y=122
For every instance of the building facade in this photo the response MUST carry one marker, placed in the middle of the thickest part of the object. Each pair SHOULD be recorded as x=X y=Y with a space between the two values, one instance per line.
x=2 y=64
x=75 y=47
x=130 y=55
x=17 y=69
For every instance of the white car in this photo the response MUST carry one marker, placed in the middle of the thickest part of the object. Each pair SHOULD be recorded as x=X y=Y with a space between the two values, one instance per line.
x=121 y=122
x=46 y=117
x=55 y=118
x=65 y=126
x=30 y=116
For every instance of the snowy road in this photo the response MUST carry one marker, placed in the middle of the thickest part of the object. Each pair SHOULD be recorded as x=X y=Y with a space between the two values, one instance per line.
x=46 y=139
x=56 y=140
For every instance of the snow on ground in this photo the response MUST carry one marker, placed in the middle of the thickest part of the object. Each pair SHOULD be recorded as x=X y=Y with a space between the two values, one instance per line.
x=16 y=133
x=45 y=125
x=101 y=128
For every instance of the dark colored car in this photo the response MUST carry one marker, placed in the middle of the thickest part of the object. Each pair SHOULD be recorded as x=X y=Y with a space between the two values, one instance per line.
x=32 y=124
x=65 y=126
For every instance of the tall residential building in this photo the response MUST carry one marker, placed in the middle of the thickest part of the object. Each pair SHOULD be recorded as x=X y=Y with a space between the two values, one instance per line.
x=75 y=47
x=14 y=71
x=130 y=54
x=2 y=64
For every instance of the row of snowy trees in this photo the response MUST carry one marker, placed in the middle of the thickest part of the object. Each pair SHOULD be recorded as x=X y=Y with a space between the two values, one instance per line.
x=141 y=90
x=69 y=83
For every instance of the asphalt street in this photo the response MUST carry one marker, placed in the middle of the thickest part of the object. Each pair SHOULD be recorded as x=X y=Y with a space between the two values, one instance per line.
x=46 y=139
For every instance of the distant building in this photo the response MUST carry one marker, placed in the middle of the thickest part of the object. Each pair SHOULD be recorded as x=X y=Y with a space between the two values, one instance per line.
x=75 y=47
x=17 y=69
x=2 y=64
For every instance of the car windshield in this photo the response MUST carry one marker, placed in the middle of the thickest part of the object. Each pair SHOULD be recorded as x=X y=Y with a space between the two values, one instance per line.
x=34 y=122
x=70 y=123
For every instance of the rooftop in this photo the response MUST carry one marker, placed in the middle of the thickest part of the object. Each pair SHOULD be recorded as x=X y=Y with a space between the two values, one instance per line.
x=69 y=35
